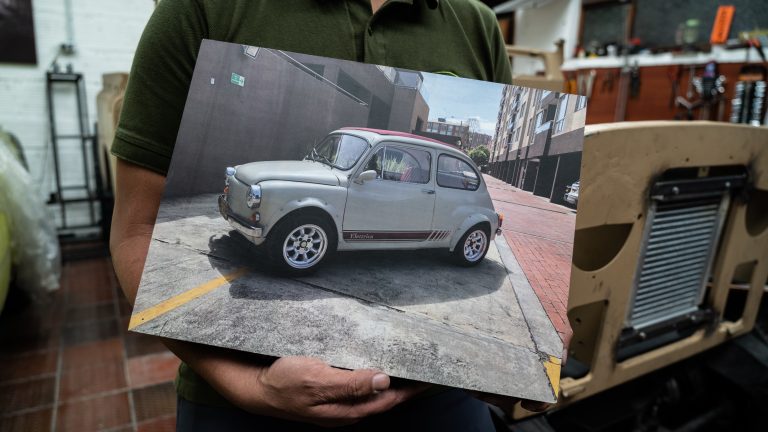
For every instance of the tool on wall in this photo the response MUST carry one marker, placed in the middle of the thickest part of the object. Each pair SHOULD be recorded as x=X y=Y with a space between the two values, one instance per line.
x=585 y=83
x=609 y=78
x=634 y=81
x=674 y=73
x=710 y=88
x=748 y=103
x=621 y=100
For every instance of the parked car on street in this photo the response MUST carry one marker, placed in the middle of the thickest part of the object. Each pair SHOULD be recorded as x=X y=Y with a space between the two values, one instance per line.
x=362 y=189
x=572 y=194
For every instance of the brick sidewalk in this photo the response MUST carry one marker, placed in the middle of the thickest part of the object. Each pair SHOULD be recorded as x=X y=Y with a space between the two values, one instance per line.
x=541 y=237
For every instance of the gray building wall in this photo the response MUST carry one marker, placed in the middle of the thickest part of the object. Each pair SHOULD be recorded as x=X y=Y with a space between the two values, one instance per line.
x=279 y=113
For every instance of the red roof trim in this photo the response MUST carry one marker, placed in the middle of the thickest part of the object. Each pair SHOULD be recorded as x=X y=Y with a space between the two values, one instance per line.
x=401 y=134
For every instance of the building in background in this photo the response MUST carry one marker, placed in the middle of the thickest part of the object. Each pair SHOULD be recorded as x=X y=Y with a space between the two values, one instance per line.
x=395 y=97
x=287 y=102
x=462 y=133
x=452 y=131
x=538 y=141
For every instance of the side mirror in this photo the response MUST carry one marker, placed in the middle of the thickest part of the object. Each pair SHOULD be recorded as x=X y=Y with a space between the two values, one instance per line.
x=366 y=176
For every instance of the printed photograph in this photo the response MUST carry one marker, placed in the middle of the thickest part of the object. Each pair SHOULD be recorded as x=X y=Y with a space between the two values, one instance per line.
x=369 y=216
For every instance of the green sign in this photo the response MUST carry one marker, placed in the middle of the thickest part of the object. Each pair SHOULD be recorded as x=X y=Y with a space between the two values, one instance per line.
x=237 y=79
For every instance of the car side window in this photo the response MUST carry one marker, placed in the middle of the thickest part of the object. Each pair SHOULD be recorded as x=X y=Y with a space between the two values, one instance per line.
x=401 y=164
x=454 y=173
x=374 y=163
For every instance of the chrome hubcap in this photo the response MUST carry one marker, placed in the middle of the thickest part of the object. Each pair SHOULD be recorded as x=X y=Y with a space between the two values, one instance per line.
x=474 y=245
x=305 y=246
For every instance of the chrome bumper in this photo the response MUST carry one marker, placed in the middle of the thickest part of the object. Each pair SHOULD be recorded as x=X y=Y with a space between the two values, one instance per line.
x=236 y=222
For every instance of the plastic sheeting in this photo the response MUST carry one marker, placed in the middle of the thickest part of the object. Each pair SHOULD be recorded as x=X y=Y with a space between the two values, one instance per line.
x=34 y=245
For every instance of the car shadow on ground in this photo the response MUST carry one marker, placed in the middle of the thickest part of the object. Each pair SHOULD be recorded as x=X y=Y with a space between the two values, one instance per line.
x=393 y=278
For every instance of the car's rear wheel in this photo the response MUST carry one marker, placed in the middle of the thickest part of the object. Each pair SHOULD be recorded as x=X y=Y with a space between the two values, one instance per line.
x=472 y=246
x=298 y=245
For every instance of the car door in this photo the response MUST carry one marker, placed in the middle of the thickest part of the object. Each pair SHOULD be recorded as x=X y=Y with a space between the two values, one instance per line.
x=398 y=205
x=457 y=194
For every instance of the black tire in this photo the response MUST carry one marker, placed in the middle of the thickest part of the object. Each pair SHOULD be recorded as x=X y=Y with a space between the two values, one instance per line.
x=290 y=226
x=460 y=257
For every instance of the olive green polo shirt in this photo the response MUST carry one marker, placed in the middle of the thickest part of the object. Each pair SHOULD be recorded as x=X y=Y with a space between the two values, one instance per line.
x=459 y=37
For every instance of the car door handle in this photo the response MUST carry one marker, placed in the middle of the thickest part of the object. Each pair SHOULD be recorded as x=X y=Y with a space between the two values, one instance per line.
x=428 y=191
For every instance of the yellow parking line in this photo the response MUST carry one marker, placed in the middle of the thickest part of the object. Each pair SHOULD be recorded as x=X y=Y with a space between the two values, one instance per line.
x=553 y=372
x=187 y=296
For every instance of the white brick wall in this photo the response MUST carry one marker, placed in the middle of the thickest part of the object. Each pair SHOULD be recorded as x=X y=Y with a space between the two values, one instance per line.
x=106 y=33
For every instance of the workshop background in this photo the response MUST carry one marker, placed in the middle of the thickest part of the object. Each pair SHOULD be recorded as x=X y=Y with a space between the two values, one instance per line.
x=686 y=352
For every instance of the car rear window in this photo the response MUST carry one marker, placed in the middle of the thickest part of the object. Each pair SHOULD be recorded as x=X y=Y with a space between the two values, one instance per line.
x=454 y=173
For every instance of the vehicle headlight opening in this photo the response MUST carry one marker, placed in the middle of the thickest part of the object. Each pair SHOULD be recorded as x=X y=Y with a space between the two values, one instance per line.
x=230 y=173
x=254 y=196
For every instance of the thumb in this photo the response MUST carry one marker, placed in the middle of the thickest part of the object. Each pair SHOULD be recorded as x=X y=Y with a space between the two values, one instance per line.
x=356 y=384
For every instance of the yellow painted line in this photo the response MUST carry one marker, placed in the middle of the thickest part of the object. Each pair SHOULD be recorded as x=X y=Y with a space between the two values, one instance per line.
x=187 y=296
x=553 y=372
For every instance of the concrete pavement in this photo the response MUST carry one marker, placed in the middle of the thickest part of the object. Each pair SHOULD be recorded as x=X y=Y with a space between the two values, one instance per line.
x=540 y=235
x=411 y=314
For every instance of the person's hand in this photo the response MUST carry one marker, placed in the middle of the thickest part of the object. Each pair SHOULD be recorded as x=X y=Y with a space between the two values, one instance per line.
x=308 y=390
x=507 y=404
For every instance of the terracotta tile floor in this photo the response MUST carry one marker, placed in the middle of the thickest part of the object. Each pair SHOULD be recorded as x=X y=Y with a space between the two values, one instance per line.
x=70 y=364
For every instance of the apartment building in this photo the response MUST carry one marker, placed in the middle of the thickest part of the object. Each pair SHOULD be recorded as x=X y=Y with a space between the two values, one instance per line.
x=538 y=140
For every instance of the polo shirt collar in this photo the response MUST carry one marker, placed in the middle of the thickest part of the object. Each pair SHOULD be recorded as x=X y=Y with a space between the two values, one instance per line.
x=432 y=4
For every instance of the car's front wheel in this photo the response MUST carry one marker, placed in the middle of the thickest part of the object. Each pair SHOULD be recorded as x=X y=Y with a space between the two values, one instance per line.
x=299 y=245
x=472 y=246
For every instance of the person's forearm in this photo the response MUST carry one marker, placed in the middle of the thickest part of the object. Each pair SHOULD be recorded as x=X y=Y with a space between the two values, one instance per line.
x=296 y=388
x=129 y=249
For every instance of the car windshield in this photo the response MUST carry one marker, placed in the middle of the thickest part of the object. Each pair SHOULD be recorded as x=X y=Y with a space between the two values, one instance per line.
x=339 y=151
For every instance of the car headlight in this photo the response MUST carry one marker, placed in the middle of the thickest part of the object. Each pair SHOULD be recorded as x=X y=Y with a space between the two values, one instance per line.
x=254 y=196
x=230 y=172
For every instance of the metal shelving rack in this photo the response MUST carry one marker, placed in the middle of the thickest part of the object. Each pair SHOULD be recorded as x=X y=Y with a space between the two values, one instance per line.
x=87 y=192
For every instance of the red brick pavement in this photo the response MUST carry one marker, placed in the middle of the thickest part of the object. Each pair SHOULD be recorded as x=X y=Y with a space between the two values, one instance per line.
x=540 y=235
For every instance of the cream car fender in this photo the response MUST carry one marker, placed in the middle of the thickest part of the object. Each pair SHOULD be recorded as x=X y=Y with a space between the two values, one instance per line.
x=295 y=196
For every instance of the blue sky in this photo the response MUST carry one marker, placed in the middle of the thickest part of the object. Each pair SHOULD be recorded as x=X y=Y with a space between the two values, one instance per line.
x=462 y=99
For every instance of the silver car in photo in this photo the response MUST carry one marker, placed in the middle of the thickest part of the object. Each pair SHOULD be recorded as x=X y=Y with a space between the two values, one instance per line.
x=362 y=189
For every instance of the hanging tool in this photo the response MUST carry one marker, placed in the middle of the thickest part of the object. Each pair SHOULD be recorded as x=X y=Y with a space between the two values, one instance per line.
x=608 y=80
x=570 y=82
x=673 y=73
x=634 y=81
x=590 y=83
x=585 y=82
x=621 y=100
x=710 y=88
x=750 y=91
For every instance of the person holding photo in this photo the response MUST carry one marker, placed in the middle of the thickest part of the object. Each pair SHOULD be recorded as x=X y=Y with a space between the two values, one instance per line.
x=226 y=390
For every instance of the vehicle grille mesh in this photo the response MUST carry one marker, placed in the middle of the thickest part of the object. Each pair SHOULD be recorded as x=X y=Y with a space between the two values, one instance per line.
x=675 y=263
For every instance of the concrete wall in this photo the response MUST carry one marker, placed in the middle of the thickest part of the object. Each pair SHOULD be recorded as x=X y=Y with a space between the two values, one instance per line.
x=106 y=33
x=568 y=142
x=413 y=108
x=279 y=113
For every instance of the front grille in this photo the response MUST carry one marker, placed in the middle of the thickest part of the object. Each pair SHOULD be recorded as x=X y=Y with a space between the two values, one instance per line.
x=675 y=262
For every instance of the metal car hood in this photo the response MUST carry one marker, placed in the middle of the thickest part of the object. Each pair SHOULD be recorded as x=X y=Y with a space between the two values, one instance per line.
x=298 y=171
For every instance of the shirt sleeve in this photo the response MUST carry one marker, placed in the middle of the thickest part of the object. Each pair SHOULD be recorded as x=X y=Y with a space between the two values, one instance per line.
x=158 y=84
x=502 y=68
